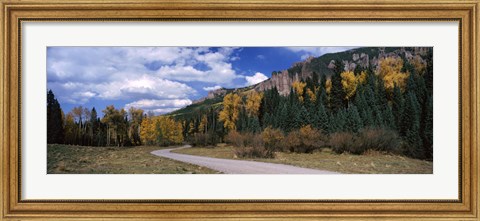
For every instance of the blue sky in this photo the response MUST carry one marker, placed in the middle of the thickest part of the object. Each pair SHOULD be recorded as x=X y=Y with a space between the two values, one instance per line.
x=160 y=79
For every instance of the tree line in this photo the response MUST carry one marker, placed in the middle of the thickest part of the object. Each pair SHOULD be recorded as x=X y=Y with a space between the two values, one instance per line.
x=117 y=127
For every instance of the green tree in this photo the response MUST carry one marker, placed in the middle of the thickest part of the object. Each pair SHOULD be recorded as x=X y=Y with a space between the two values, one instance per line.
x=411 y=125
x=398 y=104
x=337 y=94
x=353 y=122
x=427 y=129
x=55 y=131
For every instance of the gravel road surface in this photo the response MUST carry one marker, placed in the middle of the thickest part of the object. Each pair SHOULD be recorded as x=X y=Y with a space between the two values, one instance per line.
x=236 y=166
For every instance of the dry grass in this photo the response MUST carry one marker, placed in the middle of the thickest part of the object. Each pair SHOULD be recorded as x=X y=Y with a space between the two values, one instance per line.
x=114 y=160
x=372 y=162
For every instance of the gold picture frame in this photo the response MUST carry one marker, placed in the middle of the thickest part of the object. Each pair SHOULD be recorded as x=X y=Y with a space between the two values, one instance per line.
x=14 y=12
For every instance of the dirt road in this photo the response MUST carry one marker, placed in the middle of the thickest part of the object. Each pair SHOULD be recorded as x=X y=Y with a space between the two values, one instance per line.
x=236 y=166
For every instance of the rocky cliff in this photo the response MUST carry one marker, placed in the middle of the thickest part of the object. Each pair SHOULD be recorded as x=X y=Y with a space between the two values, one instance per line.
x=323 y=65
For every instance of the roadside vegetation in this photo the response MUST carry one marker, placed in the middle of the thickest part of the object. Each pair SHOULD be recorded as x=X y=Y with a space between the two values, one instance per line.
x=114 y=160
x=371 y=162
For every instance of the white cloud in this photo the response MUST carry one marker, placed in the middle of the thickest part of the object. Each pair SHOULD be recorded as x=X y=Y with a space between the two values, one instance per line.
x=132 y=73
x=317 y=51
x=159 y=106
x=216 y=87
x=143 y=87
x=261 y=57
x=255 y=79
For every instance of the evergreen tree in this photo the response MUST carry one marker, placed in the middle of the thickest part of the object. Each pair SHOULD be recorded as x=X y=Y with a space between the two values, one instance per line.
x=267 y=120
x=338 y=121
x=322 y=119
x=421 y=90
x=310 y=117
x=353 y=121
x=305 y=117
x=427 y=129
x=378 y=119
x=94 y=122
x=411 y=125
x=398 y=104
x=337 y=94
x=389 y=119
x=254 y=124
x=55 y=131
x=428 y=76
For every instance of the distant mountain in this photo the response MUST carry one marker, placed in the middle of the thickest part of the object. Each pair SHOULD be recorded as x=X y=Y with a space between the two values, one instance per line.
x=366 y=57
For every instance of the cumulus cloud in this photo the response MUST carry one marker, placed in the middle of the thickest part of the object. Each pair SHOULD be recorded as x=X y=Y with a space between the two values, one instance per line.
x=255 y=79
x=159 y=106
x=79 y=74
x=317 y=51
x=216 y=87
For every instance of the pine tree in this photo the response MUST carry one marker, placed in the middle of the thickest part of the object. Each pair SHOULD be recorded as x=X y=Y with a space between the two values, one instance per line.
x=421 y=90
x=322 y=118
x=339 y=121
x=337 y=93
x=427 y=128
x=305 y=117
x=311 y=116
x=94 y=122
x=411 y=125
x=282 y=117
x=353 y=121
x=388 y=118
x=398 y=104
x=253 y=124
x=55 y=131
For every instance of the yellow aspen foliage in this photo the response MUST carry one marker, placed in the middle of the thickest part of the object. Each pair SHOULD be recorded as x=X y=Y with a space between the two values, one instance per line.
x=147 y=131
x=170 y=131
x=298 y=88
x=390 y=70
x=254 y=100
x=349 y=83
x=312 y=95
x=362 y=77
x=191 y=128
x=203 y=124
x=231 y=110
x=161 y=130
x=328 y=85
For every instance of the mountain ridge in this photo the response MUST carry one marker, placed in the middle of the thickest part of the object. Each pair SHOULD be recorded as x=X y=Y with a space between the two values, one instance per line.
x=364 y=57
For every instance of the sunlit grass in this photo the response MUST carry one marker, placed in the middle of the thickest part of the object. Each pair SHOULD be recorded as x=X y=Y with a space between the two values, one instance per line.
x=114 y=160
x=369 y=163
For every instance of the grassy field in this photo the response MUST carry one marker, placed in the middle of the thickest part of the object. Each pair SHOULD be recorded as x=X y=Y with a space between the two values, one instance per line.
x=371 y=163
x=114 y=160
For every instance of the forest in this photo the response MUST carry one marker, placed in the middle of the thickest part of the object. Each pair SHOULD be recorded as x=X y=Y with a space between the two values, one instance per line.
x=387 y=109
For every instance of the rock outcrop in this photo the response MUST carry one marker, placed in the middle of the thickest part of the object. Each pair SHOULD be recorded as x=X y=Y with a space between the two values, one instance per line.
x=365 y=58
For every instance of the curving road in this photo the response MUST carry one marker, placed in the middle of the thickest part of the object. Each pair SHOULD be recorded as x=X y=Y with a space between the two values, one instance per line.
x=236 y=166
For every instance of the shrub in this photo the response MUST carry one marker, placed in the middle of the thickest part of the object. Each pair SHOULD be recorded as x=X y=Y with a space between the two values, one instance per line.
x=380 y=140
x=248 y=145
x=234 y=138
x=272 y=139
x=253 y=152
x=304 y=140
x=342 y=142
x=203 y=140
x=383 y=140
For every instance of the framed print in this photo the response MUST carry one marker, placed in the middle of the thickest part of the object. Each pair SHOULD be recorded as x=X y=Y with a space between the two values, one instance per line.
x=245 y=110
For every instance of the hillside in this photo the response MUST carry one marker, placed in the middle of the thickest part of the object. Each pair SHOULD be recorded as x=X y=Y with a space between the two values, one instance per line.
x=366 y=57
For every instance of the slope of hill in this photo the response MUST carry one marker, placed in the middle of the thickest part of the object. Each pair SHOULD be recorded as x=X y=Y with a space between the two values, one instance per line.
x=366 y=57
